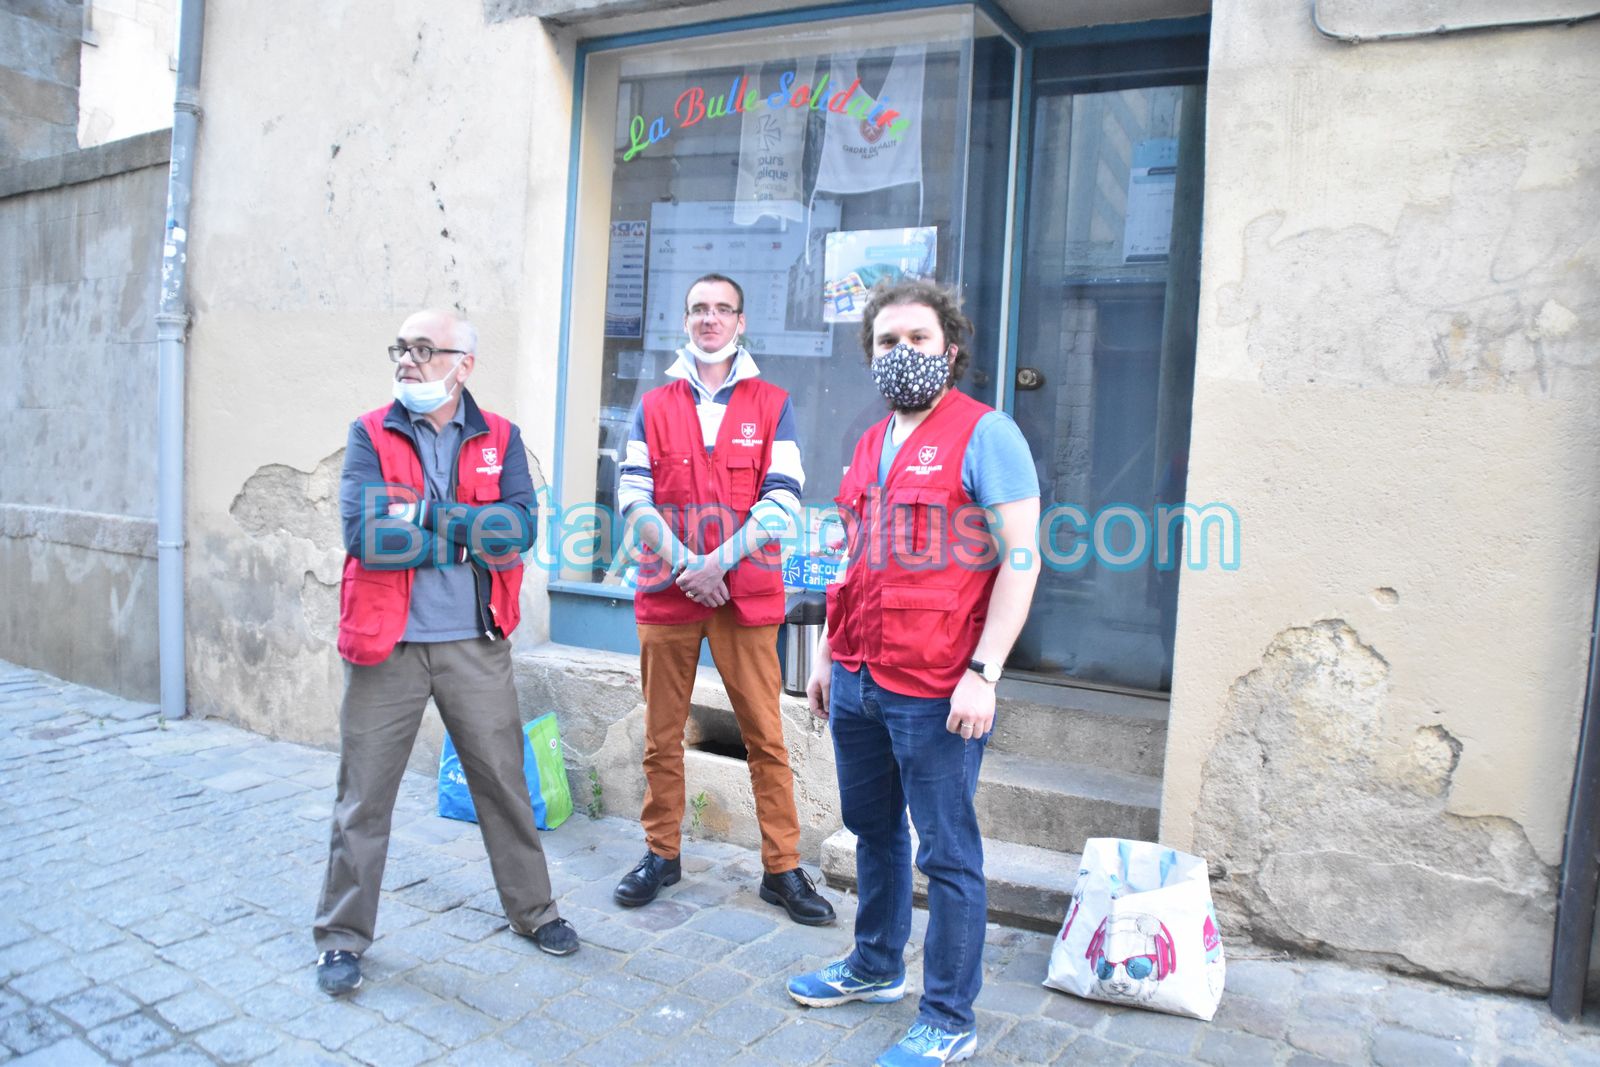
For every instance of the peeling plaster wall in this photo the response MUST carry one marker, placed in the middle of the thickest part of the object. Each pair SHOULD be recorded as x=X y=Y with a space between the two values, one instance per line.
x=345 y=178
x=1374 y=719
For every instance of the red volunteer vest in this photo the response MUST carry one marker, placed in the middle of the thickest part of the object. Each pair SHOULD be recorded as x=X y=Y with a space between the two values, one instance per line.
x=706 y=497
x=374 y=604
x=921 y=563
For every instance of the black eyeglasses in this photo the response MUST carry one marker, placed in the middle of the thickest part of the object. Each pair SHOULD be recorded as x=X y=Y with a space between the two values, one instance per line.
x=422 y=353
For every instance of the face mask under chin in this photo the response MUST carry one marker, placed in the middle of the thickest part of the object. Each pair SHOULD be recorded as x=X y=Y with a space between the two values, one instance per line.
x=721 y=355
x=421 y=398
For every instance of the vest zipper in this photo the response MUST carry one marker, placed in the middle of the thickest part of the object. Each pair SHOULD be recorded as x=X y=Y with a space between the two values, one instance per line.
x=484 y=622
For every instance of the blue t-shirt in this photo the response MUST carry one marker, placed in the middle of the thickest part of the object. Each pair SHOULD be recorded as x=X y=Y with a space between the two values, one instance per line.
x=997 y=468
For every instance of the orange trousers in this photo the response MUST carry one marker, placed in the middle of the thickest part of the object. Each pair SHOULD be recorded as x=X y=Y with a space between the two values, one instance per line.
x=747 y=659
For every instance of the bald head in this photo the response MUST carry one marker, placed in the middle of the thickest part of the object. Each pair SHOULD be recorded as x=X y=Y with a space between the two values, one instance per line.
x=443 y=327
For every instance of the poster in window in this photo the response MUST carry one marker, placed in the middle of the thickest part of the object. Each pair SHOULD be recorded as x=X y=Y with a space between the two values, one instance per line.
x=689 y=239
x=625 y=278
x=772 y=145
x=1152 y=181
x=856 y=260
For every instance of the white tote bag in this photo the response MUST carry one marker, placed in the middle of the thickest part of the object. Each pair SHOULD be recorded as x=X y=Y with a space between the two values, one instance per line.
x=1141 y=931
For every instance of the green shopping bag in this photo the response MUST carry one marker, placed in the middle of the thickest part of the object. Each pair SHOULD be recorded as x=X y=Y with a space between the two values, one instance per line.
x=542 y=765
x=552 y=795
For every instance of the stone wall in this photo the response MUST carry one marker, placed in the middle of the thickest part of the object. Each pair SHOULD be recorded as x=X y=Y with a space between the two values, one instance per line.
x=82 y=240
x=39 y=43
x=1374 y=719
x=128 y=73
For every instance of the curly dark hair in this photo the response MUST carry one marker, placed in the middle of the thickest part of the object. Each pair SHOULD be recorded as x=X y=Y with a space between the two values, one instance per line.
x=946 y=304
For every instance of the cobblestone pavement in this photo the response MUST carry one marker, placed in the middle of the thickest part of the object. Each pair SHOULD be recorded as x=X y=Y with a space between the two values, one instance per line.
x=158 y=881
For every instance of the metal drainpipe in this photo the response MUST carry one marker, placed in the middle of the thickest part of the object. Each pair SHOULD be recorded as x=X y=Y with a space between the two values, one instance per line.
x=1575 y=902
x=172 y=325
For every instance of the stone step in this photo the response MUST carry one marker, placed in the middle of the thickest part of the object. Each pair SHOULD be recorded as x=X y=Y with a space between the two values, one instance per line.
x=1028 y=886
x=1057 y=806
x=1115 y=730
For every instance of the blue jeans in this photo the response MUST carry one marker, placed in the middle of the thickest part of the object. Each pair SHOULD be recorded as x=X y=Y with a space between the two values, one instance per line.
x=893 y=751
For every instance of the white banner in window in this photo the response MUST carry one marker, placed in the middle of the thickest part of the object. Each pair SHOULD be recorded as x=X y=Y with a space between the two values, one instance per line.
x=873 y=143
x=772 y=146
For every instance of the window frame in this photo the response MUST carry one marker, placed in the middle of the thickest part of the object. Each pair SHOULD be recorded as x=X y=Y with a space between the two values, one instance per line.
x=595 y=615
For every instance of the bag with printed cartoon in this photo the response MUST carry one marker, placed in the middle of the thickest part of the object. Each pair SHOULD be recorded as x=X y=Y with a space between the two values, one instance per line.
x=1141 y=930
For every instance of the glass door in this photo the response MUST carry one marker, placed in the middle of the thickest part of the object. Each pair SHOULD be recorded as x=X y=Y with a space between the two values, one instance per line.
x=1103 y=379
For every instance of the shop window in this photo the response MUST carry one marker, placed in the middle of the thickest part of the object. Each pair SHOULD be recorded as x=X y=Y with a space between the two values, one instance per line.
x=807 y=162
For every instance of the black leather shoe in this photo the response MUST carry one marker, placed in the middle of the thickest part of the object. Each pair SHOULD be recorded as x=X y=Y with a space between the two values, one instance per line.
x=641 y=884
x=794 y=891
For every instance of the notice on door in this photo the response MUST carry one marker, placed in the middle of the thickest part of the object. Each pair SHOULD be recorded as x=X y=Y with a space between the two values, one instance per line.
x=1152 y=181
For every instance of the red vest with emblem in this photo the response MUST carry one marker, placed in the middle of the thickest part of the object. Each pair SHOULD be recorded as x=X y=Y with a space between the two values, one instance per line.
x=374 y=604
x=921 y=563
x=706 y=497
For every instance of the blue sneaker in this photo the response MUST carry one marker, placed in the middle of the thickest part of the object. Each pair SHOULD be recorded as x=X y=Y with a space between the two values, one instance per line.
x=924 y=1045
x=837 y=984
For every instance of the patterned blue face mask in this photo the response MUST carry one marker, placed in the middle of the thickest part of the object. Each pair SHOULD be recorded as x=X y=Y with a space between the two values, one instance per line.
x=909 y=379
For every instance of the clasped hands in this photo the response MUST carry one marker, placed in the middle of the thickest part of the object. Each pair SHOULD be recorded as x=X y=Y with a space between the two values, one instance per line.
x=701 y=579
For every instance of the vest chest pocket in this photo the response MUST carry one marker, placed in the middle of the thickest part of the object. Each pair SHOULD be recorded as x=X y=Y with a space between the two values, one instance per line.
x=918 y=626
x=850 y=505
x=744 y=482
x=918 y=522
x=672 y=477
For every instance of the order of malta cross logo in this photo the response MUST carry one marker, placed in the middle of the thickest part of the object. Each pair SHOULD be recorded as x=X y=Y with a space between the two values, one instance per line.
x=491 y=456
x=748 y=429
x=924 y=465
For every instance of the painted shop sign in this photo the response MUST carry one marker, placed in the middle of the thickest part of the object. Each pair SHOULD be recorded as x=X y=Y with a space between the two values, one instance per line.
x=696 y=104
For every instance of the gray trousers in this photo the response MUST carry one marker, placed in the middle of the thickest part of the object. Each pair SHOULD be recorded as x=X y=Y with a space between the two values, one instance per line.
x=471 y=683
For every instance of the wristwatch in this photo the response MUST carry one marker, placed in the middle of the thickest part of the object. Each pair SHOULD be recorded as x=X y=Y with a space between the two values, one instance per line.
x=990 y=671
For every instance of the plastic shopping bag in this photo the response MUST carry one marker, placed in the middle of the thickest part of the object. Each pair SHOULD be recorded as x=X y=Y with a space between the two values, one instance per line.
x=1141 y=931
x=542 y=766
x=547 y=782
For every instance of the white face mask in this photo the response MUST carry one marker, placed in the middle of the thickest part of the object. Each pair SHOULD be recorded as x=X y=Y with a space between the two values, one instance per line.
x=721 y=355
x=420 y=398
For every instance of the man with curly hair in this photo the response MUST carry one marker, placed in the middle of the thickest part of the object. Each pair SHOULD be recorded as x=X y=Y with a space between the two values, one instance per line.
x=941 y=509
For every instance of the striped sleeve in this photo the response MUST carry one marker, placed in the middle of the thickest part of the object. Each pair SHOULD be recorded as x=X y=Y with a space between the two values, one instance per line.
x=786 y=478
x=635 y=484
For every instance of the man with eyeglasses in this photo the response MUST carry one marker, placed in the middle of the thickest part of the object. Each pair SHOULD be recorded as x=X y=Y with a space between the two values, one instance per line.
x=711 y=477
x=436 y=502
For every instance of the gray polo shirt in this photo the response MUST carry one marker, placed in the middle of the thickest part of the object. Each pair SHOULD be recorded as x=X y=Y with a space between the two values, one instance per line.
x=444 y=600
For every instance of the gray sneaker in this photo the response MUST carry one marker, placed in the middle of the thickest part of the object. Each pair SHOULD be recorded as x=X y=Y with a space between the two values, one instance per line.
x=556 y=937
x=338 y=972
